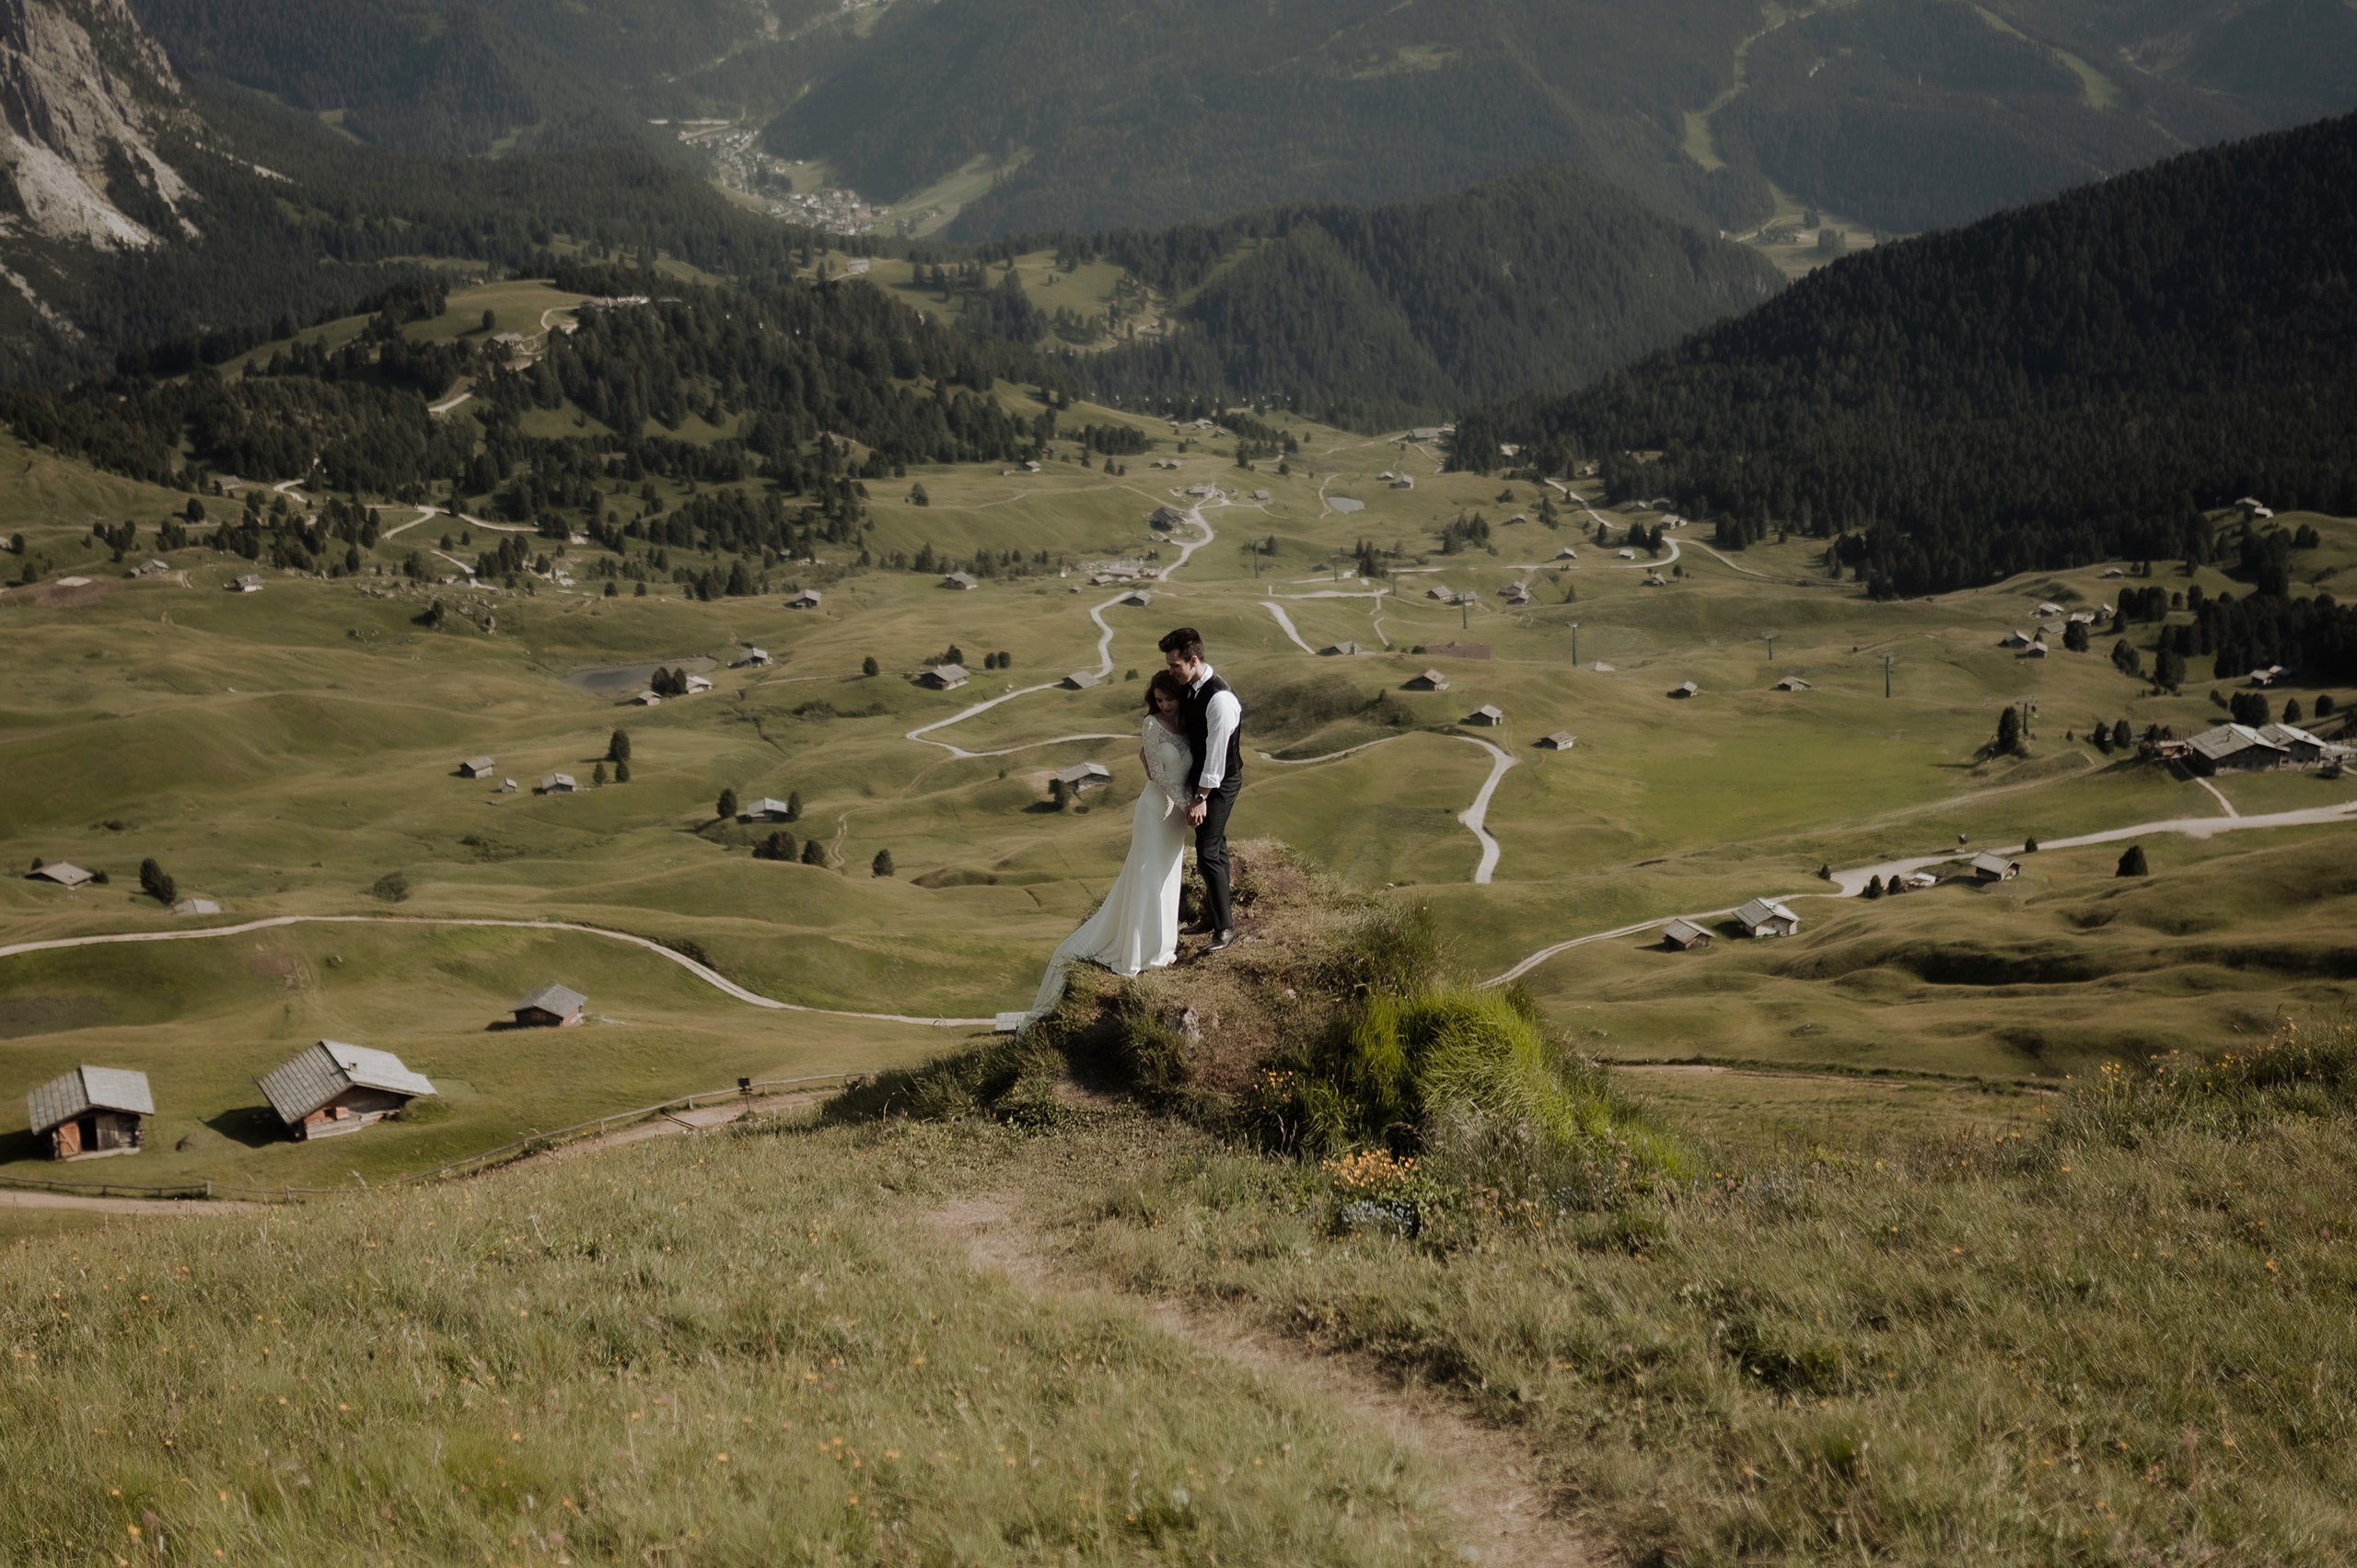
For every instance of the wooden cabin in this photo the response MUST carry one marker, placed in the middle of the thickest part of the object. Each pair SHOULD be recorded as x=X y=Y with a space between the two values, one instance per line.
x=477 y=767
x=944 y=676
x=551 y=1007
x=333 y=1087
x=1993 y=867
x=1430 y=680
x=91 y=1112
x=1558 y=740
x=1685 y=935
x=1765 y=917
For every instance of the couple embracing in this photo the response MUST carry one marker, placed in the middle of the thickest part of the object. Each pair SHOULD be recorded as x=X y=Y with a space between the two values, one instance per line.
x=1192 y=749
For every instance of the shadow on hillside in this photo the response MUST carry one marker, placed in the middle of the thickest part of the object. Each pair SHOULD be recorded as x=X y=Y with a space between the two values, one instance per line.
x=25 y=1145
x=255 y=1126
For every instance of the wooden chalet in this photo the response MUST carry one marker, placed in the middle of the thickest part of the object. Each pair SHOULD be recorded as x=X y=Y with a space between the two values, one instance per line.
x=333 y=1087
x=753 y=659
x=1765 y=917
x=766 y=809
x=1430 y=680
x=1685 y=689
x=91 y=1112
x=961 y=581
x=65 y=873
x=944 y=676
x=1685 y=937
x=1791 y=683
x=1079 y=680
x=1339 y=650
x=1165 y=518
x=1489 y=716
x=477 y=767
x=558 y=784
x=550 y=1007
x=806 y=600
x=1990 y=866
x=1560 y=740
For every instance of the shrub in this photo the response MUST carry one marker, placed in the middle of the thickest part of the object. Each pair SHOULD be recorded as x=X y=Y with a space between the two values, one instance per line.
x=882 y=865
x=868 y=665
x=2133 y=862
x=2298 y=1071
x=725 y=806
x=1467 y=1073
x=392 y=886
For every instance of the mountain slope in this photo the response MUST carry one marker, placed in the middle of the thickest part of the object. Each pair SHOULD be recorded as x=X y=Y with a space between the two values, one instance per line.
x=1136 y=113
x=1374 y=314
x=2050 y=385
x=85 y=92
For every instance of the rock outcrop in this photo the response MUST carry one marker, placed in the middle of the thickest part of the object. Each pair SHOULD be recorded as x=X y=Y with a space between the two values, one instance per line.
x=83 y=91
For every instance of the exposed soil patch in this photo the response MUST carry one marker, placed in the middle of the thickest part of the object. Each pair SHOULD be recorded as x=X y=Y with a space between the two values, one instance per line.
x=1483 y=1476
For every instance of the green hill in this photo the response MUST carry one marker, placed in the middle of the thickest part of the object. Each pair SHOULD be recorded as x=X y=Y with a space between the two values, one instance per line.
x=2076 y=379
x=1374 y=315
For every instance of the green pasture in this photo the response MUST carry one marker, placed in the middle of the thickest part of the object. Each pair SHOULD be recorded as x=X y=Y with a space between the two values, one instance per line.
x=282 y=752
x=203 y=1018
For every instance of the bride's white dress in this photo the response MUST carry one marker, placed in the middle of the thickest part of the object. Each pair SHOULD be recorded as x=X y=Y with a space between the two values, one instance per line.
x=1137 y=925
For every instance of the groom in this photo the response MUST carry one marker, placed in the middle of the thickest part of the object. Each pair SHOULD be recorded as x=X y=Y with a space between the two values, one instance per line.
x=1216 y=772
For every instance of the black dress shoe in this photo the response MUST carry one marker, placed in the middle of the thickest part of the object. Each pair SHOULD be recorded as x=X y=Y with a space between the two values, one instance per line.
x=1200 y=928
x=1221 y=943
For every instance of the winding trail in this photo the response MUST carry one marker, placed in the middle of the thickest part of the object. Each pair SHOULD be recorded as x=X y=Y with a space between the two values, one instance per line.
x=2223 y=804
x=709 y=976
x=1854 y=881
x=1273 y=608
x=1484 y=1477
x=1476 y=816
x=922 y=732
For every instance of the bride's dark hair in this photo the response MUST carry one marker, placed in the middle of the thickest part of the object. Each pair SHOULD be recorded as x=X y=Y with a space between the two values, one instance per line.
x=1166 y=682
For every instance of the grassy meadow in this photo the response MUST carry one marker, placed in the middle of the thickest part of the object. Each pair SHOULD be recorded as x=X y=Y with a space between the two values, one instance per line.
x=285 y=751
x=1936 y=1287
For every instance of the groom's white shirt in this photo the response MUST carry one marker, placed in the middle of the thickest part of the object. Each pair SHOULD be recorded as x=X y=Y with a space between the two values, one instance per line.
x=1224 y=715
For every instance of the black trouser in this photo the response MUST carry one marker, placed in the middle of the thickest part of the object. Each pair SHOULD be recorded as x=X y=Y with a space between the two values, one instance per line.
x=1210 y=856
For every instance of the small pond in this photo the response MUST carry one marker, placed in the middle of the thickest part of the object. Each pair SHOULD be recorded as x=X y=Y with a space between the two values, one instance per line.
x=630 y=677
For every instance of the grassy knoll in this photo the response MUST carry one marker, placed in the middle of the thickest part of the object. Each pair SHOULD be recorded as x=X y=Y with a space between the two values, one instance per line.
x=737 y=1352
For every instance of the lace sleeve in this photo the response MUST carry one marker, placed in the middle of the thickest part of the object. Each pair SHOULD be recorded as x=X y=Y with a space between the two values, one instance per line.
x=1166 y=761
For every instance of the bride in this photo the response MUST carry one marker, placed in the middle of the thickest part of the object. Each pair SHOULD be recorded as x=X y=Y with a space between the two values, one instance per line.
x=1137 y=925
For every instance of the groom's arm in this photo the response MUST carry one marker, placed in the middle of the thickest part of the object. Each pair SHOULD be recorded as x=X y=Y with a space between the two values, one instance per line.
x=1224 y=714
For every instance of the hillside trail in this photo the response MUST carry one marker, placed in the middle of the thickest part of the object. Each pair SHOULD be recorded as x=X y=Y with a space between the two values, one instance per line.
x=12 y=1198
x=1480 y=1477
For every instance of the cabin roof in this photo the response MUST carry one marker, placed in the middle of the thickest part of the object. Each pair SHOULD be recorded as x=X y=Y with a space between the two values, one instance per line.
x=327 y=1069
x=89 y=1088
x=562 y=1000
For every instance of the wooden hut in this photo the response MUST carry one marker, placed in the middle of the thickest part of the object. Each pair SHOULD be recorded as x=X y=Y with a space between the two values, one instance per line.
x=1765 y=917
x=333 y=1087
x=551 y=1007
x=1990 y=868
x=1430 y=680
x=1685 y=935
x=92 y=1111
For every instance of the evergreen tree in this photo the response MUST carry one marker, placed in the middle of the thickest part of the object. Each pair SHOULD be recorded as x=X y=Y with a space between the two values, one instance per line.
x=618 y=746
x=2009 y=733
x=2133 y=862
x=814 y=853
x=882 y=865
x=726 y=808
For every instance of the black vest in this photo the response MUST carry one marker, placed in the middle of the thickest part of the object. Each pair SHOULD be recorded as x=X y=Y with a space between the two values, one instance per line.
x=1195 y=707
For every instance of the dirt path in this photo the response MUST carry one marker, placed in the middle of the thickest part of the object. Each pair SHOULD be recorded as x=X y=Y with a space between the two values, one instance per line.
x=671 y=1124
x=709 y=976
x=12 y=1198
x=1480 y=1476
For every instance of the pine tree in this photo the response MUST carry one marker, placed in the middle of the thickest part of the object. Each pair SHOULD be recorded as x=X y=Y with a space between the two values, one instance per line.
x=618 y=746
x=814 y=853
x=882 y=865
x=726 y=808
x=2009 y=733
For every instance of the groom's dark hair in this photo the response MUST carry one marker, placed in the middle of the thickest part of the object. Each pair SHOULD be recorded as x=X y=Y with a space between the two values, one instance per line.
x=1185 y=640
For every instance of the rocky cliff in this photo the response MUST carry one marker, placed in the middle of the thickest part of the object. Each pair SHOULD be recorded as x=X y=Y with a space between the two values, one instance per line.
x=84 y=92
